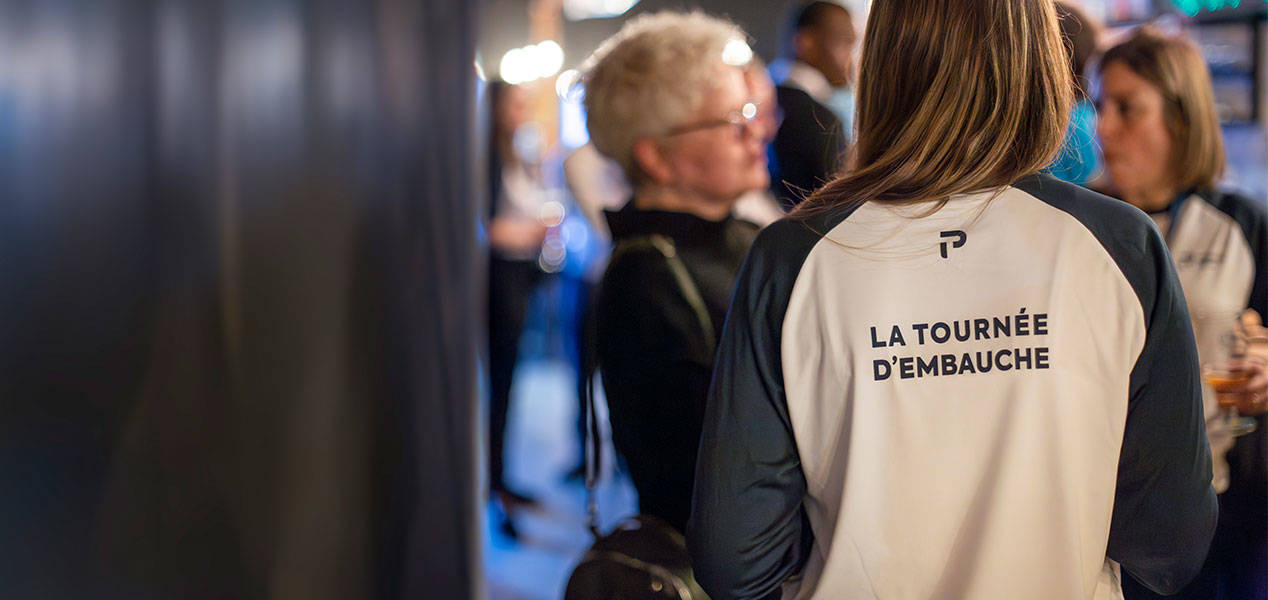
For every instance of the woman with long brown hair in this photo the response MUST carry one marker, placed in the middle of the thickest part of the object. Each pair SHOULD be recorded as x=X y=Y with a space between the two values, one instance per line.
x=946 y=376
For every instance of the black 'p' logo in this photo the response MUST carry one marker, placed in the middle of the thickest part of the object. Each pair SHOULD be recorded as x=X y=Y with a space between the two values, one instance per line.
x=959 y=236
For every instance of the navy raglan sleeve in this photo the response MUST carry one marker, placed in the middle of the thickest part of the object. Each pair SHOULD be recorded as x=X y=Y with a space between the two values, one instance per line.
x=1259 y=289
x=1164 y=506
x=748 y=532
x=1253 y=219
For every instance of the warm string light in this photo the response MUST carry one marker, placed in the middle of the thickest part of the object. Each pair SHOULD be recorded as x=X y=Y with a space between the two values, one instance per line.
x=565 y=84
x=737 y=53
x=577 y=10
x=530 y=63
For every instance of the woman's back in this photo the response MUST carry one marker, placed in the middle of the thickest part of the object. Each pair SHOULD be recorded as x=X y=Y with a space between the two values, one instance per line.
x=955 y=390
x=1006 y=364
x=944 y=376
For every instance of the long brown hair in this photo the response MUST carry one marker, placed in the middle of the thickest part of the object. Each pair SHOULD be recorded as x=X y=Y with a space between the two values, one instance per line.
x=954 y=96
x=500 y=140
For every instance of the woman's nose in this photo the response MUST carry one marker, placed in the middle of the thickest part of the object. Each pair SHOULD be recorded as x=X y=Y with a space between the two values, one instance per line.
x=1106 y=123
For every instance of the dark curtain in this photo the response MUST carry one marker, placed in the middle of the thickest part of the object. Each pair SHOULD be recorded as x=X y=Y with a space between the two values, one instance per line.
x=238 y=279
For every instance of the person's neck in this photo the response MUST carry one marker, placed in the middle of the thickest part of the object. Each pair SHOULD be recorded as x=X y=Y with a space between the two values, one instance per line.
x=1152 y=200
x=654 y=197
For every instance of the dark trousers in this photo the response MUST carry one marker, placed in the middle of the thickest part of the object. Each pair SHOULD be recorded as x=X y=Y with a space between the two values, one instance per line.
x=511 y=285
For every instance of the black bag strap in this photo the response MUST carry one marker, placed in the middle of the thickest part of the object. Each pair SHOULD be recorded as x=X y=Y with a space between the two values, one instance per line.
x=591 y=446
x=589 y=360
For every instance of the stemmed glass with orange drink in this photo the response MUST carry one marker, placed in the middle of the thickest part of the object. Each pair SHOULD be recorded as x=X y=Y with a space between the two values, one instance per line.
x=1223 y=351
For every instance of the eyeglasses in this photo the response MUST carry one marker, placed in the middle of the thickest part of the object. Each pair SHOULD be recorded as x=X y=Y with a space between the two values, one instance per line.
x=739 y=118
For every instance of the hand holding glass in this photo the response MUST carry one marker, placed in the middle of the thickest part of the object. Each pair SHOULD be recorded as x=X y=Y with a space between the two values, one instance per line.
x=1224 y=352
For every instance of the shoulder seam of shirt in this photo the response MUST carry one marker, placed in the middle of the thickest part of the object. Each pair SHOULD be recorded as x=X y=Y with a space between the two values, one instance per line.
x=1243 y=212
x=1031 y=186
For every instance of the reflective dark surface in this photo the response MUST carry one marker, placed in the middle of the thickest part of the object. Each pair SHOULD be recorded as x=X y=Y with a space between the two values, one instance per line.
x=237 y=291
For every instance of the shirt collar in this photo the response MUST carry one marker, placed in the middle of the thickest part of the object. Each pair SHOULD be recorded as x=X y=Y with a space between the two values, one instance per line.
x=682 y=227
x=809 y=80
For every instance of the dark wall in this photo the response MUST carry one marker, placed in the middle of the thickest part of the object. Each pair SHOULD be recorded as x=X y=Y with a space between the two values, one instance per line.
x=237 y=296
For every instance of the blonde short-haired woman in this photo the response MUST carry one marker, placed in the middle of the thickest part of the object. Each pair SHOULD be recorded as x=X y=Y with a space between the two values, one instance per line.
x=947 y=376
x=666 y=99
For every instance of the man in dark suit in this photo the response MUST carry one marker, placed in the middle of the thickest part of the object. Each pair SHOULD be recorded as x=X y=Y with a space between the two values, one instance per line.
x=809 y=147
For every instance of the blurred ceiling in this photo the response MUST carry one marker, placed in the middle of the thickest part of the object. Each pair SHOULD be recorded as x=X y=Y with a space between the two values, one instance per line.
x=504 y=24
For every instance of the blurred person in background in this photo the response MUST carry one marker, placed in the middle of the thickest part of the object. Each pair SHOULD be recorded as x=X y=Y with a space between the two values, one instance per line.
x=759 y=206
x=597 y=184
x=666 y=99
x=809 y=146
x=1164 y=153
x=946 y=375
x=1077 y=161
x=515 y=235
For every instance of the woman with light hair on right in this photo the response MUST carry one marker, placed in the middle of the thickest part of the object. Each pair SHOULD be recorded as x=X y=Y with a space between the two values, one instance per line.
x=1163 y=154
x=946 y=375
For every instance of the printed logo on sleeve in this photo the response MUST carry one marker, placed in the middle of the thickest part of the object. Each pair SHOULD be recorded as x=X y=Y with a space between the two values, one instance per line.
x=942 y=364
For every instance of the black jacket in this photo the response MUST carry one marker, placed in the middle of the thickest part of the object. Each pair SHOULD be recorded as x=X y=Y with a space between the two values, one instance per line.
x=654 y=351
x=808 y=148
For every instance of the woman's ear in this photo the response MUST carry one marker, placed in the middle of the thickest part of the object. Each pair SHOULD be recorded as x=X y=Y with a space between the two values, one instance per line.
x=650 y=157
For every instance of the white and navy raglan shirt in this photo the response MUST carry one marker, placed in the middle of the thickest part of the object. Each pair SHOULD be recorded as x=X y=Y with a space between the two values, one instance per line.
x=1220 y=246
x=998 y=400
